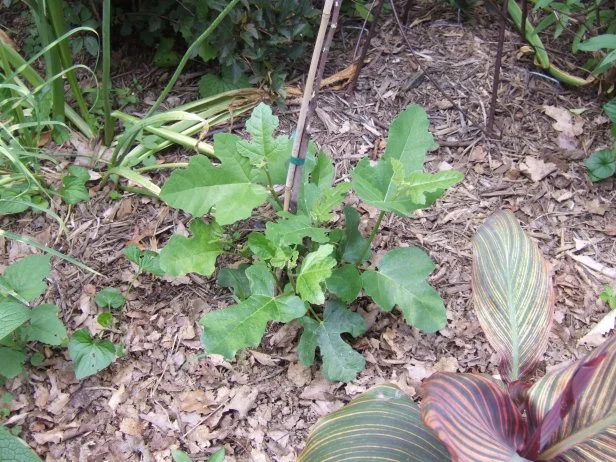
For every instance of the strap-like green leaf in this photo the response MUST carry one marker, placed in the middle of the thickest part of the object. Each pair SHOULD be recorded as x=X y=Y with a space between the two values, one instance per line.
x=512 y=292
x=475 y=419
x=382 y=424
x=588 y=430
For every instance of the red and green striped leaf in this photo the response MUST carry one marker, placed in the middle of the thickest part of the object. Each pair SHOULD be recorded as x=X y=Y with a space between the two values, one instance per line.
x=588 y=428
x=512 y=294
x=473 y=417
x=381 y=424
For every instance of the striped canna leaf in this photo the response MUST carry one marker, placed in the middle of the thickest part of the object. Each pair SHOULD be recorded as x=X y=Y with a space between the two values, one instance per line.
x=473 y=417
x=512 y=294
x=381 y=424
x=588 y=428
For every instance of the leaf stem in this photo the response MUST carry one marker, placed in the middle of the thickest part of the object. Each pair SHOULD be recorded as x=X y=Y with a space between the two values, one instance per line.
x=271 y=187
x=313 y=313
x=371 y=237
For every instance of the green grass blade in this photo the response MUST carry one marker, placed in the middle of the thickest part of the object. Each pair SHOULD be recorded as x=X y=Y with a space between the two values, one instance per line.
x=44 y=248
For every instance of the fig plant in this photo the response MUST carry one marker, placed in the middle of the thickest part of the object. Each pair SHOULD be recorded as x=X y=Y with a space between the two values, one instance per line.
x=299 y=266
x=567 y=415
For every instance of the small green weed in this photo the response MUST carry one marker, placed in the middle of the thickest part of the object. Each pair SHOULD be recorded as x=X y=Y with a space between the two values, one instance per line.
x=601 y=165
x=20 y=324
x=609 y=296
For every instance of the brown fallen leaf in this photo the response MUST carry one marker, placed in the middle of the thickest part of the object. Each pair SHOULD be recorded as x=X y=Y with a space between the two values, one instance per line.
x=243 y=401
x=596 y=336
x=566 y=122
x=536 y=169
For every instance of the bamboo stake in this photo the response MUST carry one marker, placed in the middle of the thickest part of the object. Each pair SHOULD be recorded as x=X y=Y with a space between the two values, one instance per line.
x=309 y=94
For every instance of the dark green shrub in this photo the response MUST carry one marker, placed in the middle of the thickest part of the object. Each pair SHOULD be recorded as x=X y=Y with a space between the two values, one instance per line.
x=253 y=44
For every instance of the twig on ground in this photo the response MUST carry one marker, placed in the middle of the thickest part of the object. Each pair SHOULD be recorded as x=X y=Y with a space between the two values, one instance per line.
x=497 y=68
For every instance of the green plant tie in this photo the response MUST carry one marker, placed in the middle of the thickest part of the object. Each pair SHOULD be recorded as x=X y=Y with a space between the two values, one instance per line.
x=296 y=161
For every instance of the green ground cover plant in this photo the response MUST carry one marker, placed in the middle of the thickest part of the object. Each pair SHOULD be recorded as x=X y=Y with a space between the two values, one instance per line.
x=298 y=266
x=566 y=415
x=601 y=164
x=23 y=324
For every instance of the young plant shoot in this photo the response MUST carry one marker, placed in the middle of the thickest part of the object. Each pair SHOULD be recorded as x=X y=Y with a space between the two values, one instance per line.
x=300 y=266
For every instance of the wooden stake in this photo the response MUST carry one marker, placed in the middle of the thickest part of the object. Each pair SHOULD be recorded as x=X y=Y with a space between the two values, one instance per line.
x=315 y=74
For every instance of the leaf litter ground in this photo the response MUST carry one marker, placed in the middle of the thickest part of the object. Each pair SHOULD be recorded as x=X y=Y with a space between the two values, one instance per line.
x=261 y=406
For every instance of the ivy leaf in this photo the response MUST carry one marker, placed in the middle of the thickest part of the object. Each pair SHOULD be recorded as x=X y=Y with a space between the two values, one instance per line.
x=14 y=449
x=146 y=260
x=292 y=229
x=12 y=316
x=46 y=327
x=400 y=280
x=196 y=254
x=26 y=277
x=316 y=268
x=11 y=362
x=345 y=283
x=90 y=355
x=264 y=150
x=202 y=186
x=73 y=189
x=340 y=361
x=239 y=326
x=235 y=278
x=109 y=297
x=601 y=165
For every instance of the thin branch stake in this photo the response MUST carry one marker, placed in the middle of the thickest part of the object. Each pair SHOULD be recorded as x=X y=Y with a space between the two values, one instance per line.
x=364 y=50
x=315 y=74
x=497 y=69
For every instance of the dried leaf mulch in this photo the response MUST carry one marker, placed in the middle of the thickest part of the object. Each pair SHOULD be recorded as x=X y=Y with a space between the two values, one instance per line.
x=163 y=394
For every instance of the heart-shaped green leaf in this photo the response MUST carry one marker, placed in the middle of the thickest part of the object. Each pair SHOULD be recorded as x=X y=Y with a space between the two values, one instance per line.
x=90 y=355
x=383 y=424
x=512 y=293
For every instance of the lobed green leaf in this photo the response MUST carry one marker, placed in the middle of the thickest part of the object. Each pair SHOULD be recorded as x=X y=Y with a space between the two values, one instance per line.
x=202 y=187
x=340 y=361
x=239 y=326
x=196 y=254
x=314 y=271
x=401 y=281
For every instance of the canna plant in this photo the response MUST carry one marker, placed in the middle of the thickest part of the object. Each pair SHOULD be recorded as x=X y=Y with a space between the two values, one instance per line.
x=283 y=267
x=567 y=415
